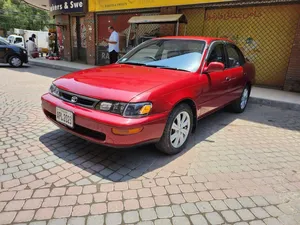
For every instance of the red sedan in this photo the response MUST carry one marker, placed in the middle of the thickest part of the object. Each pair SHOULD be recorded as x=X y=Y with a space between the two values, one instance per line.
x=155 y=93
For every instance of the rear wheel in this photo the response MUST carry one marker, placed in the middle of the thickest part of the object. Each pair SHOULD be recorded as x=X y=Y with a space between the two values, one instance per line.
x=15 y=61
x=239 y=105
x=177 y=130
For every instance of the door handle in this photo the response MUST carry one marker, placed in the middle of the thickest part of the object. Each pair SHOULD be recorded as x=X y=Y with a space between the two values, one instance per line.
x=228 y=79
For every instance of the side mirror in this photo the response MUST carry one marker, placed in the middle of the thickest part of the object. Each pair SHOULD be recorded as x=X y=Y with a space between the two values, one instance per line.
x=214 y=67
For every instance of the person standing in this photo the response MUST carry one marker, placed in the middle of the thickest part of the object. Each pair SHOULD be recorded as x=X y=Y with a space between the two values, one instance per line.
x=113 y=45
x=31 y=47
x=33 y=36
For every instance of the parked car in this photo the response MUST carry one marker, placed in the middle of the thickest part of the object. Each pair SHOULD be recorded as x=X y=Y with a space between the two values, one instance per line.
x=12 y=54
x=155 y=93
x=16 y=40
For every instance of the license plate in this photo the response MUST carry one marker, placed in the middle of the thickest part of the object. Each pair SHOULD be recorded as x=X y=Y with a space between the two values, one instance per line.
x=65 y=117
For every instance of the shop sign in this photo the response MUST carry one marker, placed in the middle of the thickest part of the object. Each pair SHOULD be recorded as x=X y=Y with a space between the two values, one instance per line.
x=107 y=5
x=63 y=6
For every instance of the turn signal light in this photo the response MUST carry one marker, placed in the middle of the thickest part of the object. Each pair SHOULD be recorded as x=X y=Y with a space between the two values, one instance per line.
x=126 y=131
x=145 y=109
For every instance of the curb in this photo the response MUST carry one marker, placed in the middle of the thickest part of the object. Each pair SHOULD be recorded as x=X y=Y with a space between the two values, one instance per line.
x=274 y=103
x=57 y=67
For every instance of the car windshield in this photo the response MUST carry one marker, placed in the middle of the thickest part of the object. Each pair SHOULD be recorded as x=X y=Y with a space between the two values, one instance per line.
x=176 y=54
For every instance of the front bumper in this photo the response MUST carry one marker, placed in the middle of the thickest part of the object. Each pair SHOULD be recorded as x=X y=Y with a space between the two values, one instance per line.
x=96 y=126
x=24 y=58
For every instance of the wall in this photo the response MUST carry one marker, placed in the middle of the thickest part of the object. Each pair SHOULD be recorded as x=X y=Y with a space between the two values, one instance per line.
x=167 y=29
x=264 y=33
x=292 y=82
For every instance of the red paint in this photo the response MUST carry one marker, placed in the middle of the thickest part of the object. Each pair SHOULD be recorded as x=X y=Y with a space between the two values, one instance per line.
x=164 y=88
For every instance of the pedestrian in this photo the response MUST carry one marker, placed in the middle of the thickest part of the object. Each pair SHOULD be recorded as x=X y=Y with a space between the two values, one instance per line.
x=113 y=45
x=33 y=36
x=49 y=43
x=31 y=47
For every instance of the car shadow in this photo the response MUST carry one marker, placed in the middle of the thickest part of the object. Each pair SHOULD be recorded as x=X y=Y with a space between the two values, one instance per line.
x=126 y=164
x=10 y=67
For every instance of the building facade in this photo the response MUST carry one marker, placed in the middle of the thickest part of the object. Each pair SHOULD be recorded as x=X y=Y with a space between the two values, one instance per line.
x=268 y=31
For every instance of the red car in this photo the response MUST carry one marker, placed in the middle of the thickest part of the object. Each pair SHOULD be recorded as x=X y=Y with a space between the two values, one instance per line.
x=155 y=93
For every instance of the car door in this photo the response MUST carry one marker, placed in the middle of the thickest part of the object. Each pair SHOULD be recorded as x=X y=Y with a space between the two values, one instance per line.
x=215 y=95
x=3 y=51
x=235 y=70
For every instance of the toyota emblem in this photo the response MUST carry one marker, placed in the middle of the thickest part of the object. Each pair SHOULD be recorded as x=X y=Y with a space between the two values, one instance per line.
x=74 y=99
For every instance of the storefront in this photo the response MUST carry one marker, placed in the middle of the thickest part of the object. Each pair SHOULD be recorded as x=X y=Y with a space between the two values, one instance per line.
x=120 y=22
x=71 y=32
x=264 y=30
x=118 y=13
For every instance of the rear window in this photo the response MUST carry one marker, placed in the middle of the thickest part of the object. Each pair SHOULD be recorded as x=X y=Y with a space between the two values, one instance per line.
x=18 y=40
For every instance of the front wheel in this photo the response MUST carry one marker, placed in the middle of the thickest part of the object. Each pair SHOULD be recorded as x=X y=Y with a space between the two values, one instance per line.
x=239 y=105
x=177 y=130
x=15 y=61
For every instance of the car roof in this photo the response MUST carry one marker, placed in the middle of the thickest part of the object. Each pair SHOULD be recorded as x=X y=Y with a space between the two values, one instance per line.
x=14 y=35
x=198 y=38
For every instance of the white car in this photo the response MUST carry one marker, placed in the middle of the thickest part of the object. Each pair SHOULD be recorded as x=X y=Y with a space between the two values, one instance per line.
x=16 y=40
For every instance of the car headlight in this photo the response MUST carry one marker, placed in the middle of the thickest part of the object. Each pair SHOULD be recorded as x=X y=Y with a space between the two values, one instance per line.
x=137 y=109
x=126 y=109
x=113 y=107
x=25 y=52
x=54 y=90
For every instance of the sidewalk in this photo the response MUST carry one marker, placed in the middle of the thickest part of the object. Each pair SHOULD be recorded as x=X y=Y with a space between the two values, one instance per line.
x=263 y=96
x=59 y=64
x=276 y=98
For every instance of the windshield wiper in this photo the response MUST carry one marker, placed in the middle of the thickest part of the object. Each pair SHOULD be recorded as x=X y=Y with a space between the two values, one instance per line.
x=166 y=67
x=132 y=63
x=155 y=66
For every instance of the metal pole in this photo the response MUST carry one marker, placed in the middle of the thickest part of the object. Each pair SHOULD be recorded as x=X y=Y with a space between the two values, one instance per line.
x=177 y=28
x=128 y=36
x=136 y=35
x=184 y=29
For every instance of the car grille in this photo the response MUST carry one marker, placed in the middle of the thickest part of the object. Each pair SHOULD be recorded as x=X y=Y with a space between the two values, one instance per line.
x=80 y=100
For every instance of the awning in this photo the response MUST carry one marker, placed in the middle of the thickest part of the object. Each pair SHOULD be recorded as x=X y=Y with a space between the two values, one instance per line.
x=171 y=18
x=42 y=4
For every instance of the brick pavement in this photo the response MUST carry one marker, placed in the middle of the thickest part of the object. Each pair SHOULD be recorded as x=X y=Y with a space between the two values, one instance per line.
x=238 y=169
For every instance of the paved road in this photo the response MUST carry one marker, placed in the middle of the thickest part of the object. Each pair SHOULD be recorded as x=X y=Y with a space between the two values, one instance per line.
x=238 y=169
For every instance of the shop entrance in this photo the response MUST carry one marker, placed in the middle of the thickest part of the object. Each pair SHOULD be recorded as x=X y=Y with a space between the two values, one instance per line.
x=121 y=25
x=78 y=39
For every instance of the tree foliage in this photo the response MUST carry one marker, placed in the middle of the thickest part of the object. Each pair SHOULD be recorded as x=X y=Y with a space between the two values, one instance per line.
x=17 y=14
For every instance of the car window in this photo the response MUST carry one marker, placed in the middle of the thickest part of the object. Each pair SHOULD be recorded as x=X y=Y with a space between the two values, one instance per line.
x=18 y=40
x=167 y=53
x=145 y=53
x=10 y=39
x=217 y=54
x=235 y=57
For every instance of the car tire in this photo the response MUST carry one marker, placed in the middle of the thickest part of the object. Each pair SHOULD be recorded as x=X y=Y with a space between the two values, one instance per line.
x=239 y=105
x=177 y=132
x=15 y=61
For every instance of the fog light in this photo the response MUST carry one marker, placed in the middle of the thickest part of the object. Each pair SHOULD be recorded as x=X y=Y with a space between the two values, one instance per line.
x=126 y=131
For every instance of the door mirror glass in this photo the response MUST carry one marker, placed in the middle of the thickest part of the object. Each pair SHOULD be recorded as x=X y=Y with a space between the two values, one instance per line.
x=214 y=67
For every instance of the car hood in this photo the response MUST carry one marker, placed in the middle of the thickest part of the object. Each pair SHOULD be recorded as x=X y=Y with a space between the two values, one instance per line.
x=16 y=47
x=117 y=82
